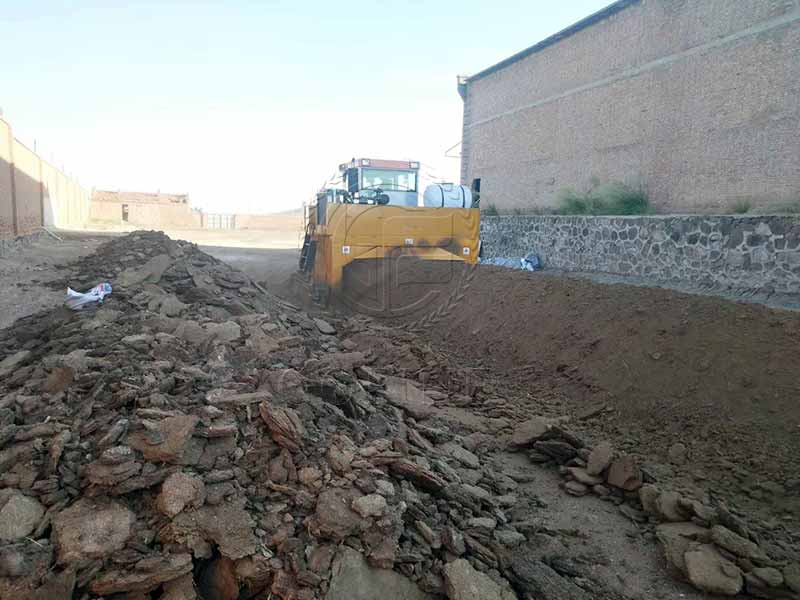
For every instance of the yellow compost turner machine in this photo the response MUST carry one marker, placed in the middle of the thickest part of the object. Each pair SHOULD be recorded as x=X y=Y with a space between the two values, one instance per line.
x=377 y=217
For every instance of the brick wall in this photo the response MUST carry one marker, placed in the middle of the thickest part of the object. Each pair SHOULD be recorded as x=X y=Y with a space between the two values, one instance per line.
x=66 y=202
x=697 y=99
x=7 y=226
x=28 y=187
x=33 y=193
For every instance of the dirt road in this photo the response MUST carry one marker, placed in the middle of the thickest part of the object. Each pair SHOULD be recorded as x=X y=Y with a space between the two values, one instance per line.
x=25 y=271
x=698 y=391
x=272 y=267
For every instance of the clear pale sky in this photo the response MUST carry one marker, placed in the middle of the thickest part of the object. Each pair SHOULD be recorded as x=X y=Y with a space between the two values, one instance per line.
x=249 y=106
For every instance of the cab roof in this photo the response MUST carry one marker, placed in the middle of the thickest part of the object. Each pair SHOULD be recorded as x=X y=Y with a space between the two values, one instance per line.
x=377 y=163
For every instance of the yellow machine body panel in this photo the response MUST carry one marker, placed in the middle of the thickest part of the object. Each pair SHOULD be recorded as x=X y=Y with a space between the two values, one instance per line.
x=351 y=232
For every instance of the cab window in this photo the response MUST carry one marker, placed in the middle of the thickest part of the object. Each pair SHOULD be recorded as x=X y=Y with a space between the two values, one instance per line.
x=389 y=180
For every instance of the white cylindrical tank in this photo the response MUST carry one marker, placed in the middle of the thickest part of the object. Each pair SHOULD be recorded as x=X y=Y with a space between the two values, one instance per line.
x=448 y=195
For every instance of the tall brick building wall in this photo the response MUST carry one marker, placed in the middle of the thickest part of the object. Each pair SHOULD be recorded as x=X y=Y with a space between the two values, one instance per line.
x=699 y=100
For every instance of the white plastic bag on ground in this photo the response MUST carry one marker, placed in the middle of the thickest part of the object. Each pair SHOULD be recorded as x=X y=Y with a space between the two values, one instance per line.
x=77 y=300
x=526 y=263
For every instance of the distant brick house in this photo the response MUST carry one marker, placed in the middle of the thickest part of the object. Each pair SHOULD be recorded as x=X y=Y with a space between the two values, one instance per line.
x=145 y=209
x=696 y=99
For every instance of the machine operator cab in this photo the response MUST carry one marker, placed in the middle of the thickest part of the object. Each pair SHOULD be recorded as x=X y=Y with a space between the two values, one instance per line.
x=371 y=181
x=393 y=183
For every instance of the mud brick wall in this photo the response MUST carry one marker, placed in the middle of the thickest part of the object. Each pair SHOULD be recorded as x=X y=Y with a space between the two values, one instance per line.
x=738 y=253
x=7 y=212
x=147 y=214
x=34 y=193
x=27 y=189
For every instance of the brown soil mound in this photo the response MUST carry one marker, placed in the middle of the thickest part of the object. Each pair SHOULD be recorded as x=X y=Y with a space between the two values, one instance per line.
x=720 y=377
x=195 y=437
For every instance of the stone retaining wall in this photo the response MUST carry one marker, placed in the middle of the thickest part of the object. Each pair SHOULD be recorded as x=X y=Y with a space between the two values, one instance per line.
x=744 y=254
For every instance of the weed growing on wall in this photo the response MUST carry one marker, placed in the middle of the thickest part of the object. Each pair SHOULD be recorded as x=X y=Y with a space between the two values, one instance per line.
x=613 y=198
x=745 y=206
x=573 y=202
x=491 y=210
x=742 y=207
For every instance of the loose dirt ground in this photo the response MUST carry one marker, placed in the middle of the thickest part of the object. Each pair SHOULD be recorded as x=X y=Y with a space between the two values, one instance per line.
x=646 y=368
x=25 y=270
x=720 y=377
x=588 y=536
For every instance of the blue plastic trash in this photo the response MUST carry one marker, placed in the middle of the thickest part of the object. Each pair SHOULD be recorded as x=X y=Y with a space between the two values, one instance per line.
x=526 y=263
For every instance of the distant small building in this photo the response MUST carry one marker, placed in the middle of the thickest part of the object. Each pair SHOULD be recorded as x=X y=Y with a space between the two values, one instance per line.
x=145 y=209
